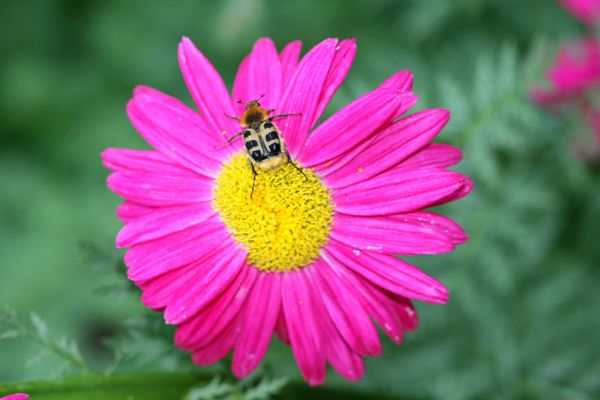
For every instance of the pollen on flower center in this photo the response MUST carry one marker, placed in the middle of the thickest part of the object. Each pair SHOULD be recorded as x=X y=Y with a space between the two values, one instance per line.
x=287 y=220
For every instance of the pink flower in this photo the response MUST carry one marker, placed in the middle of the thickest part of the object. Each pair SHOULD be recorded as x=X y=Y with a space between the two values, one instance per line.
x=16 y=396
x=576 y=70
x=305 y=250
x=587 y=11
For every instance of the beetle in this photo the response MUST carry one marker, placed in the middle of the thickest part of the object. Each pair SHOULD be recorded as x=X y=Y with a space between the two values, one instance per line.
x=263 y=143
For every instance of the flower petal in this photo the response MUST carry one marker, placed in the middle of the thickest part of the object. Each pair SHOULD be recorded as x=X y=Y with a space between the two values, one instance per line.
x=261 y=313
x=344 y=360
x=443 y=225
x=176 y=131
x=205 y=326
x=219 y=347
x=154 y=258
x=157 y=190
x=346 y=311
x=192 y=298
x=289 y=61
x=401 y=80
x=207 y=89
x=353 y=124
x=128 y=212
x=390 y=147
x=298 y=294
x=163 y=222
x=259 y=76
x=387 y=272
x=281 y=329
x=303 y=94
x=148 y=161
x=399 y=191
x=434 y=155
x=342 y=61
x=389 y=235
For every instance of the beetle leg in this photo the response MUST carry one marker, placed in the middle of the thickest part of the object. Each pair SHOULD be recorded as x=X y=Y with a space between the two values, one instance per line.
x=254 y=178
x=284 y=115
x=295 y=166
x=231 y=116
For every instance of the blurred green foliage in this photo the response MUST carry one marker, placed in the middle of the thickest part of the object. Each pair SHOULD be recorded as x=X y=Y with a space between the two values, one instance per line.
x=523 y=319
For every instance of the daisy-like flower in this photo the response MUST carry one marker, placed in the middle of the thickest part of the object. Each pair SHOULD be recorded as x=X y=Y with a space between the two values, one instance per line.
x=587 y=11
x=306 y=250
x=575 y=72
x=16 y=396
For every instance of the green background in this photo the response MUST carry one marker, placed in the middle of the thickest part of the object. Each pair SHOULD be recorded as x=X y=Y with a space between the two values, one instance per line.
x=523 y=318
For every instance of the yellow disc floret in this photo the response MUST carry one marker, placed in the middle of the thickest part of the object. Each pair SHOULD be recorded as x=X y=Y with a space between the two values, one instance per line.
x=285 y=222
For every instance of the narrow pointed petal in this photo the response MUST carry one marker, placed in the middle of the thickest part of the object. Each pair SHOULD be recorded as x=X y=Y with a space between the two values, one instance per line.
x=390 y=235
x=219 y=347
x=442 y=225
x=207 y=325
x=303 y=93
x=289 y=61
x=128 y=212
x=156 y=257
x=207 y=89
x=388 y=273
x=281 y=329
x=401 y=80
x=390 y=147
x=176 y=131
x=261 y=313
x=158 y=190
x=163 y=222
x=399 y=191
x=148 y=161
x=298 y=294
x=342 y=358
x=203 y=290
x=373 y=299
x=259 y=76
x=353 y=124
x=347 y=313
x=342 y=61
x=434 y=155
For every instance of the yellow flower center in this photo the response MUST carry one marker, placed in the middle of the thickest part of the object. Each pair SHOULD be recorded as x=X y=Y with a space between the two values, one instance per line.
x=285 y=222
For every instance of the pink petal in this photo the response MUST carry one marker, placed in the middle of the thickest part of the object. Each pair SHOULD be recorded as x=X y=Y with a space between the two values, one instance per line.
x=128 y=212
x=434 y=155
x=16 y=396
x=203 y=328
x=344 y=360
x=303 y=94
x=398 y=191
x=442 y=225
x=342 y=61
x=261 y=313
x=353 y=124
x=281 y=329
x=176 y=131
x=374 y=300
x=464 y=190
x=157 y=189
x=390 y=147
x=388 y=273
x=207 y=89
x=219 y=347
x=259 y=75
x=143 y=161
x=389 y=235
x=154 y=258
x=401 y=80
x=346 y=311
x=163 y=222
x=192 y=298
x=289 y=60
x=298 y=296
x=406 y=312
